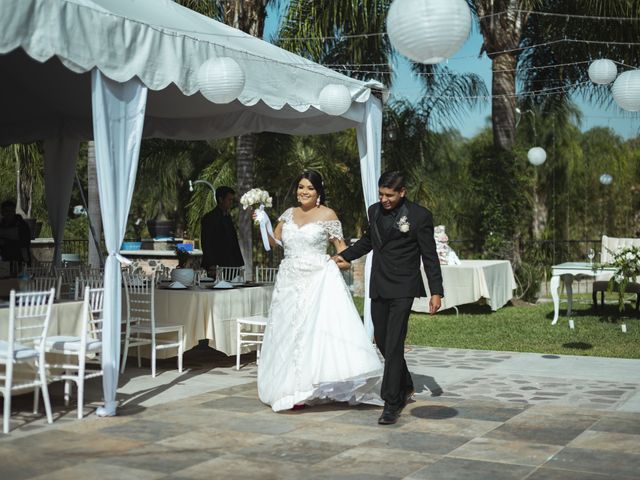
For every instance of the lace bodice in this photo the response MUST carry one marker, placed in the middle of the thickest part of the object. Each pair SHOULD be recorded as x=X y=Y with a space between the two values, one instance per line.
x=309 y=239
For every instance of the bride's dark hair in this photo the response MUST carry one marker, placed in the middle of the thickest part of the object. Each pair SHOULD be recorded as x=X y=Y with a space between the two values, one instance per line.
x=316 y=180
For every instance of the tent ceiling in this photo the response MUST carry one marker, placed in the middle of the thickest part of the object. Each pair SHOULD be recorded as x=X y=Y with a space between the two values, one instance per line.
x=45 y=88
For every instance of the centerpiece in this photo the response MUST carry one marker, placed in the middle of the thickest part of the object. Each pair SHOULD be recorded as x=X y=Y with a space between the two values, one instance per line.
x=626 y=261
x=183 y=273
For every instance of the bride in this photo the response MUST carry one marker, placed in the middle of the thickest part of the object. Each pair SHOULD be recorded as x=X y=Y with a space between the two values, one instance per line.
x=315 y=347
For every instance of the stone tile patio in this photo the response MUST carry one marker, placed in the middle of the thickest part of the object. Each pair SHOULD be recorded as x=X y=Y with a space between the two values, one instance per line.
x=477 y=415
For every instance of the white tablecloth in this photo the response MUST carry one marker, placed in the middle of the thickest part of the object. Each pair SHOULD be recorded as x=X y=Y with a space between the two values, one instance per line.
x=210 y=313
x=472 y=280
x=66 y=319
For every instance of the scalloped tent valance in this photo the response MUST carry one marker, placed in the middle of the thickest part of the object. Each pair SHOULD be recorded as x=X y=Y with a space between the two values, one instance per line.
x=50 y=47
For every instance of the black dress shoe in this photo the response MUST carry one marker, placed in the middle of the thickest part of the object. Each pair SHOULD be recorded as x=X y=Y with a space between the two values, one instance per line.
x=389 y=416
x=408 y=396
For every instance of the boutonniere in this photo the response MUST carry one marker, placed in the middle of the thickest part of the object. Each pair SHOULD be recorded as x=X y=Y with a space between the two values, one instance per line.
x=403 y=224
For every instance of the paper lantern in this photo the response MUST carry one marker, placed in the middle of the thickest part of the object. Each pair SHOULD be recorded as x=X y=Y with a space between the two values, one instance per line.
x=606 y=179
x=335 y=99
x=603 y=71
x=537 y=156
x=626 y=90
x=220 y=80
x=428 y=31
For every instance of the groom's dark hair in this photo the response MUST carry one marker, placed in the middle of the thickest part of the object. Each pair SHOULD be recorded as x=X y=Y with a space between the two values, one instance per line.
x=393 y=179
x=222 y=192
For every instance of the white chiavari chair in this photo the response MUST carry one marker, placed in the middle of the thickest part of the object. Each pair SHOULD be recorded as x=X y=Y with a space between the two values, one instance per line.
x=83 y=281
x=39 y=270
x=266 y=274
x=68 y=275
x=40 y=284
x=29 y=316
x=163 y=273
x=84 y=347
x=249 y=331
x=141 y=328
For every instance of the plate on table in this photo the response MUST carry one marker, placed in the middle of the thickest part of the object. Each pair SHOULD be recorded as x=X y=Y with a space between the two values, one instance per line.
x=222 y=285
x=175 y=286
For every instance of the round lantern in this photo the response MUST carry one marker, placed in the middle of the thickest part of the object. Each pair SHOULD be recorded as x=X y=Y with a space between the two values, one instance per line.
x=220 y=80
x=626 y=90
x=335 y=99
x=606 y=179
x=603 y=71
x=537 y=156
x=428 y=31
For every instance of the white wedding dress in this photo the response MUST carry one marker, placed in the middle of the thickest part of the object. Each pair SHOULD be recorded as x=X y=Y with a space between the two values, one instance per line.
x=315 y=347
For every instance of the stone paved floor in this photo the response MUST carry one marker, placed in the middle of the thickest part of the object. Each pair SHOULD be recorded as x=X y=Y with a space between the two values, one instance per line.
x=477 y=415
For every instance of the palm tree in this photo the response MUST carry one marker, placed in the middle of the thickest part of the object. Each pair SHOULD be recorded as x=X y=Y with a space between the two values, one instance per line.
x=248 y=16
x=501 y=24
x=558 y=71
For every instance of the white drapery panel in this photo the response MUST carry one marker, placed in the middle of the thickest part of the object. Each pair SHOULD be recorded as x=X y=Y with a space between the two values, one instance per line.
x=369 y=134
x=60 y=155
x=118 y=118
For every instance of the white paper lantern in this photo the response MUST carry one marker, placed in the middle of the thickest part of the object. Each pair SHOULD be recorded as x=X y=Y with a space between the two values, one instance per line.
x=603 y=71
x=537 y=156
x=428 y=31
x=335 y=99
x=626 y=90
x=220 y=80
x=606 y=179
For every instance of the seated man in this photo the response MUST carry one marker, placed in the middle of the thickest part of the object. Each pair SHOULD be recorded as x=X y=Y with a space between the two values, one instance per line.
x=220 y=245
x=15 y=235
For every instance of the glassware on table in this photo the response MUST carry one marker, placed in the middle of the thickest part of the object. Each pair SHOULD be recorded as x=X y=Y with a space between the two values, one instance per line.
x=590 y=254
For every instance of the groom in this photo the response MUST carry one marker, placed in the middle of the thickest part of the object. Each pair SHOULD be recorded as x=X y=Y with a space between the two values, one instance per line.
x=399 y=233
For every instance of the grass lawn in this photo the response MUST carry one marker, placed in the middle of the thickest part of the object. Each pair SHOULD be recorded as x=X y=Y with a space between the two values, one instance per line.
x=527 y=328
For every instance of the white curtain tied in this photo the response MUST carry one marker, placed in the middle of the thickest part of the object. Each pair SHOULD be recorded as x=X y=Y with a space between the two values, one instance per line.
x=118 y=118
x=370 y=148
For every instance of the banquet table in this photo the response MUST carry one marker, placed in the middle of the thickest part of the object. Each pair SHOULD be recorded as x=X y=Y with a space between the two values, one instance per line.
x=210 y=313
x=470 y=281
x=568 y=272
x=66 y=319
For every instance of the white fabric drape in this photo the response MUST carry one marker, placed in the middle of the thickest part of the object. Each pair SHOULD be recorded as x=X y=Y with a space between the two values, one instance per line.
x=60 y=155
x=118 y=118
x=369 y=134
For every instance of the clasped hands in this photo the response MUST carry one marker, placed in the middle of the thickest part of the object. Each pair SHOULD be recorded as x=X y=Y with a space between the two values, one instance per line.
x=341 y=262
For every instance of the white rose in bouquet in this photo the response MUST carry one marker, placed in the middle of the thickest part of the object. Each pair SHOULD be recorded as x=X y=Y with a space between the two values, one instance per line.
x=254 y=198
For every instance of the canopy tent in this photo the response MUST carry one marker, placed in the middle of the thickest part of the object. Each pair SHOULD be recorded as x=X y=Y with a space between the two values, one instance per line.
x=118 y=70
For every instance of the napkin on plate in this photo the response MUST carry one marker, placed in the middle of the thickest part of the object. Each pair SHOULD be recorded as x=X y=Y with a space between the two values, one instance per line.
x=238 y=279
x=176 y=285
x=223 y=284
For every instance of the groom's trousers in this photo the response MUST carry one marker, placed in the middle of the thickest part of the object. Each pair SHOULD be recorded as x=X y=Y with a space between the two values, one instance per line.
x=390 y=319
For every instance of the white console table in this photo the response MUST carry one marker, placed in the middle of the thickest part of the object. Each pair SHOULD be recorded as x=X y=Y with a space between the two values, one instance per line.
x=568 y=272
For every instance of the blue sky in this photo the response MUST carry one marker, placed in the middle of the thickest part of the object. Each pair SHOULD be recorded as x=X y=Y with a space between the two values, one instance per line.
x=406 y=85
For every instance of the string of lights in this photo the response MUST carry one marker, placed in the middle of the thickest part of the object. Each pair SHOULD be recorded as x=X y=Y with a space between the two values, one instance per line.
x=527 y=93
x=561 y=15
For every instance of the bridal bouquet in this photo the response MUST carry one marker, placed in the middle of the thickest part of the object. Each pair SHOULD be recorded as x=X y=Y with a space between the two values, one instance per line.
x=256 y=196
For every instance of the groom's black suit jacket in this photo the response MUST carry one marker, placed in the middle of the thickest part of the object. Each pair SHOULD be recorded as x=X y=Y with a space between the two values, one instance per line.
x=395 y=271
